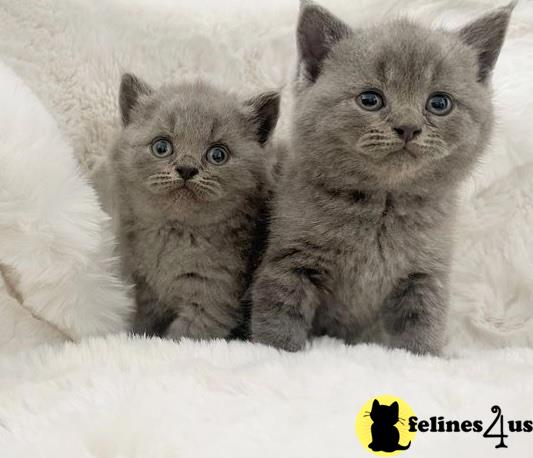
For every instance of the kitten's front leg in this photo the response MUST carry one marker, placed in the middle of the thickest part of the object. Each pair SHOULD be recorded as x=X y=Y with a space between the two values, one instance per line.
x=414 y=315
x=285 y=296
x=151 y=318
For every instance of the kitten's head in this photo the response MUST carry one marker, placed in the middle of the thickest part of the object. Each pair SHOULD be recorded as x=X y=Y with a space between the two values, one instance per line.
x=383 y=414
x=191 y=152
x=396 y=104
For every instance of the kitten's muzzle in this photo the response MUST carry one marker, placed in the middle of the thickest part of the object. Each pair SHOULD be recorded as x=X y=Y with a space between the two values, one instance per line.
x=186 y=173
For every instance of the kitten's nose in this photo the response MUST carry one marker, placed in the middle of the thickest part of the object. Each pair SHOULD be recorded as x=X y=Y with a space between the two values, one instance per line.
x=407 y=132
x=187 y=172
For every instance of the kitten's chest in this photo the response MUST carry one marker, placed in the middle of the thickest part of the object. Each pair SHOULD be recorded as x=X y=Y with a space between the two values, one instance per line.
x=178 y=261
x=383 y=244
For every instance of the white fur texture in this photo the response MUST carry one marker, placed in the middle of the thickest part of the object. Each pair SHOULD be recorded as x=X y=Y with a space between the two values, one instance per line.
x=56 y=279
x=116 y=398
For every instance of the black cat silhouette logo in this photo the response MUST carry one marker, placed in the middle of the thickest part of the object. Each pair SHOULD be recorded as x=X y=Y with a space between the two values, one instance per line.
x=382 y=426
x=385 y=435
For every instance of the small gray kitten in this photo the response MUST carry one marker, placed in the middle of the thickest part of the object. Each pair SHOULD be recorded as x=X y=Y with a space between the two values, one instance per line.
x=387 y=122
x=189 y=171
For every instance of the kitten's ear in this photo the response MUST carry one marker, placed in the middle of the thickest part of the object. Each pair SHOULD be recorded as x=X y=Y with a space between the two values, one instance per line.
x=317 y=32
x=375 y=404
x=263 y=113
x=486 y=35
x=131 y=88
x=395 y=408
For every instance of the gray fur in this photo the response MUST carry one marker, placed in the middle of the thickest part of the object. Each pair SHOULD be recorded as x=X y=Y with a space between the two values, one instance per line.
x=190 y=247
x=361 y=231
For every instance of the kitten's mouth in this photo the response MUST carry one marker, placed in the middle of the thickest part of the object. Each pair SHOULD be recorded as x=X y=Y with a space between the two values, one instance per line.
x=410 y=152
x=405 y=151
x=191 y=191
x=184 y=190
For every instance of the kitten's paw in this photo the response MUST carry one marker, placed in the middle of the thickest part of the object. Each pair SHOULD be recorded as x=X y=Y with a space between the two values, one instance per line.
x=287 y=343
x=418 y=341
x=185 y=328
x=287 y=334
x=177 y=330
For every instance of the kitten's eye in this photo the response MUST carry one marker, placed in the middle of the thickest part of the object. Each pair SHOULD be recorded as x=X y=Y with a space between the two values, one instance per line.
x=439 y=104
x=370 y=101
x=161 y=148
x=217 y=155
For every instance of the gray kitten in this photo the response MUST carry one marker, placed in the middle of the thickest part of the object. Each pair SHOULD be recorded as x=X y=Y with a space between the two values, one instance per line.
x=190 y=172
x=387 y=122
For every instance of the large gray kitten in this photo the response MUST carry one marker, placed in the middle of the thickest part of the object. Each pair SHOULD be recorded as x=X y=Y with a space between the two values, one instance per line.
x=387 y=121
x=190 y=172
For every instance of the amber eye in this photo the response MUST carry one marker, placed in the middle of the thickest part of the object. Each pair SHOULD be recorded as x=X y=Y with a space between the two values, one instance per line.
x=161 y=148
x=217 y=155
x=370 y=101
x=439 y=104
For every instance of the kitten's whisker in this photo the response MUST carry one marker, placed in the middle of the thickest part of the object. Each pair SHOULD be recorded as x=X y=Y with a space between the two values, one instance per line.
x=209 y=184
x=204 y=190
x=160 y=177
x=164 y=181
x=167 y=184
x=208 y=181
x=374 y=145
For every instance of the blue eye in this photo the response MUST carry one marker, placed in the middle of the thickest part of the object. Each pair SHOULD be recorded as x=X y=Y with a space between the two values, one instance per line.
x=439 y=104
x=217 y=155
x=161 y=148
x=370 y=101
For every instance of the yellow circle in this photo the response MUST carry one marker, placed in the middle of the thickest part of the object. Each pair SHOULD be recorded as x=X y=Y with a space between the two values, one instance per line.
x=381 y=430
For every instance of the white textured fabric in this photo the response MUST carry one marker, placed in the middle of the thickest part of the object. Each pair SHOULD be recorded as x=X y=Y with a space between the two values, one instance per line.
x=114 y=398
x=57 y=278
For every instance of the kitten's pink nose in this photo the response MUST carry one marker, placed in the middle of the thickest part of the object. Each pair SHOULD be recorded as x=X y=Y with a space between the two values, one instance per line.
x=407 y=132
x=187 y=172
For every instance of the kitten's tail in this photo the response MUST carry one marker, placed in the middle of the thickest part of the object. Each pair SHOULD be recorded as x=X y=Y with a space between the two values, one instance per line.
x=404 y=447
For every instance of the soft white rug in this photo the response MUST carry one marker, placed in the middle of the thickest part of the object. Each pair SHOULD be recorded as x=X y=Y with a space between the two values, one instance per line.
x=116 y=398
x=138 y=399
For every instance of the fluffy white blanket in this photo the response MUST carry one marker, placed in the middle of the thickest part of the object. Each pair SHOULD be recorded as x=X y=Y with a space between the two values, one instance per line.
x=57 y=280
x=149 y=398
x=136 y=399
